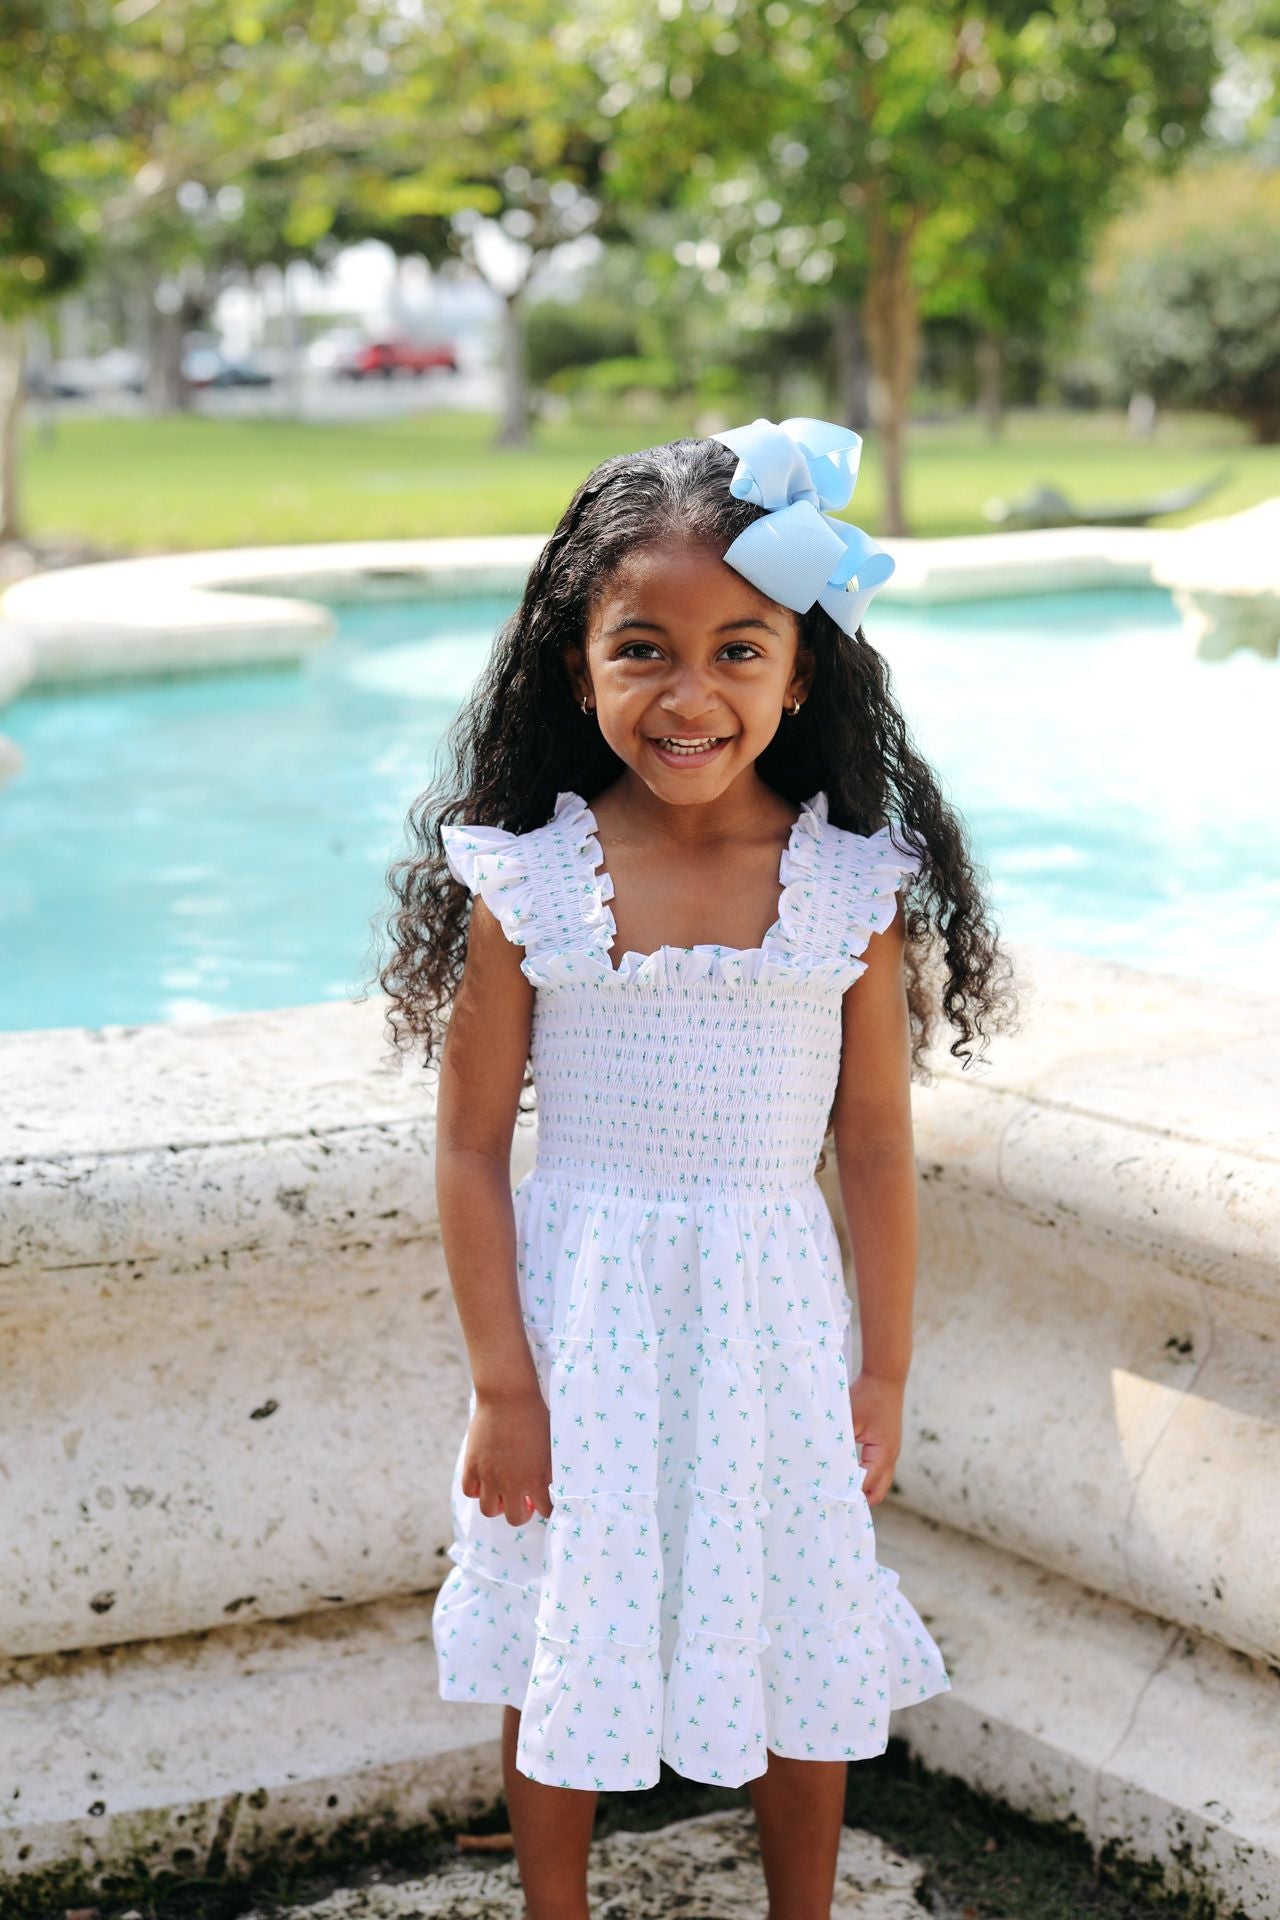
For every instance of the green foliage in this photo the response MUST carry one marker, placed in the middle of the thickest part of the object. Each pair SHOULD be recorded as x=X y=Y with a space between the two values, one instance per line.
x=169 y=138
x=50 y=68
x=718 y=383
x=563 y=335
x=987 y=141
x=1187 y=293
x=611 y=379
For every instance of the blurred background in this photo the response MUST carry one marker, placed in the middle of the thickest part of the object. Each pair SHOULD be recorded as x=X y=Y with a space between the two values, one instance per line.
x=278 y=271
x=356 y=269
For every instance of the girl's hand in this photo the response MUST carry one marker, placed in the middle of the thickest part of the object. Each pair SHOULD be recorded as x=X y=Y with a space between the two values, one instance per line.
x=508 y=1459
x=877 y=1427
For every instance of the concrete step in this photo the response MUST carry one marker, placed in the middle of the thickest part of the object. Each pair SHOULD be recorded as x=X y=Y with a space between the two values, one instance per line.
x=1151 y=1740
x=207 y=1752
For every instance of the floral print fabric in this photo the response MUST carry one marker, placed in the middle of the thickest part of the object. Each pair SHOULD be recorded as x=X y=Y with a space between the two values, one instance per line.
x=706 y=1588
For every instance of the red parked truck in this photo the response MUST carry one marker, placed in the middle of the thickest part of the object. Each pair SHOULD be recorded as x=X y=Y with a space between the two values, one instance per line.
x=388 y=357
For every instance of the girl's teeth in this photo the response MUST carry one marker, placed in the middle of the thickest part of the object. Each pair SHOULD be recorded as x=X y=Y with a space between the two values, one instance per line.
x=689 y=746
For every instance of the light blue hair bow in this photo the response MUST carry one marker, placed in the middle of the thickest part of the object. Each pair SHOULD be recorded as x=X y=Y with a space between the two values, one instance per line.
x=796 y=552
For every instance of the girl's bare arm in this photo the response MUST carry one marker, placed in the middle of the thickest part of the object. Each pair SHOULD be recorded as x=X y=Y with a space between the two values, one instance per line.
x=875 y=1153
x=507 y=1464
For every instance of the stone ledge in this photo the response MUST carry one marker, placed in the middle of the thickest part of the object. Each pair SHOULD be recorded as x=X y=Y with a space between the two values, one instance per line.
x=188 y=612
x=1093 y=1398
x=1225 y=581
x=1096 y=1375
x=250 y=1130
x=1071 y=1706
x=1111 y=1059
x=164 y=1751
x=1070 y=1095
x=219 y=1749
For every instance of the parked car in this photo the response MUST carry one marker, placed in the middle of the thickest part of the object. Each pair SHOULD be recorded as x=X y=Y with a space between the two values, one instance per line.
x=383 y=358
x=242 y=373
x=51 y=383
x=89 y=377
x=210 y=367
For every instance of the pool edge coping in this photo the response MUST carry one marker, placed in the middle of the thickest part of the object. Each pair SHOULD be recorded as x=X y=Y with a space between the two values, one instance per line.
x=211 y=609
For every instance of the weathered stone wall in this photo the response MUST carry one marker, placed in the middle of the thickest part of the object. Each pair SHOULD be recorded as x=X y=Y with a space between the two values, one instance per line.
x=234 y=1390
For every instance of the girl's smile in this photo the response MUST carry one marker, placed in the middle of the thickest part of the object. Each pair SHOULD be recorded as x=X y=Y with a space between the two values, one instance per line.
x=688 y=668
x=688 y=752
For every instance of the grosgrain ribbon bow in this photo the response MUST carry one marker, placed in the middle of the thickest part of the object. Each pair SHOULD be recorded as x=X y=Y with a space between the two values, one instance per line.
x=796 y=552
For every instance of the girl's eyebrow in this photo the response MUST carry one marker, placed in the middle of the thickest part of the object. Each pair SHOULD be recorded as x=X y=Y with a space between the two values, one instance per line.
x=748 y=620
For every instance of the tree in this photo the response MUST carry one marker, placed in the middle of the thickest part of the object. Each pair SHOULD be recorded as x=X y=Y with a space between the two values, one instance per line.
x=467 y=133
x=932 y=137
x=50 y=57
x=1187 y=292
x=232 y=114
x=512 y=161
x=119 y=124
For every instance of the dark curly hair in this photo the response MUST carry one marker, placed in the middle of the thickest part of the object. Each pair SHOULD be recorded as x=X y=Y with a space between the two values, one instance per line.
x=520 y=738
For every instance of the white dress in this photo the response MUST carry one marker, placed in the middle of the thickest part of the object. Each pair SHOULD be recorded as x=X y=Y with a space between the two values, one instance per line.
x=706 y=1587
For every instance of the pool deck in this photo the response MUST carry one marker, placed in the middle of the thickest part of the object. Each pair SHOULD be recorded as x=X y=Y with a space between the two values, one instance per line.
x=192 y=612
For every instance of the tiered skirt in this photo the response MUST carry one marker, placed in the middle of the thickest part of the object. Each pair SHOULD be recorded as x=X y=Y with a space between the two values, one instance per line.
x=706 y=1589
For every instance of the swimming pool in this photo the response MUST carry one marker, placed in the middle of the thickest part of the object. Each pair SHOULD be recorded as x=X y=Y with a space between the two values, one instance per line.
x=219 y=843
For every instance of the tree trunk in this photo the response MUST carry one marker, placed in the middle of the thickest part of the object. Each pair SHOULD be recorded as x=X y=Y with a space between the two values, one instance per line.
x=991 y=384
x=292 y=383
x=167 y=388
x=852 y=407
x=1141 y=416
x=11 y=357
x=892 y=322
x=514 y=429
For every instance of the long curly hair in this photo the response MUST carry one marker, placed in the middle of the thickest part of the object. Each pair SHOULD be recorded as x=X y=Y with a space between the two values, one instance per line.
x=520 y=738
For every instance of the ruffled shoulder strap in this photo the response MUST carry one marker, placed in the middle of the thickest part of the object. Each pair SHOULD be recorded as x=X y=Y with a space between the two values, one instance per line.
x=540 y=885
x=840 y=887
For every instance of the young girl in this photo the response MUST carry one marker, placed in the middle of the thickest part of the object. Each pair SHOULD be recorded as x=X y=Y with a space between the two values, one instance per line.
x=682 y=800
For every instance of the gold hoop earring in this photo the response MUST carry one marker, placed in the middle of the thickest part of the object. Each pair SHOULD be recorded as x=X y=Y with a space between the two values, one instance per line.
x=585 y=707
x=794 y=710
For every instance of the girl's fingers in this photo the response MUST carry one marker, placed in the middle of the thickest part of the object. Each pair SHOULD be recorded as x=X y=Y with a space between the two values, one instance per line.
x=516 y=1506
x=539 y=1503
x=519 y=1508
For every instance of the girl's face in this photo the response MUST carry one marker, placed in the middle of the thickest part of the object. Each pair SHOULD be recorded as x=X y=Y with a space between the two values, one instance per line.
x=689 y=668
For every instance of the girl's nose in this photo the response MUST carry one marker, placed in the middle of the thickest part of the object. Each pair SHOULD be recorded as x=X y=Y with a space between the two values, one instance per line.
x=690 y=693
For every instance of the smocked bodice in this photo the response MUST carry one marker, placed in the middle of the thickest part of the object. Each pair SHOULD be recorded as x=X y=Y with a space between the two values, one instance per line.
x=686 y=1088
x=686 y=1068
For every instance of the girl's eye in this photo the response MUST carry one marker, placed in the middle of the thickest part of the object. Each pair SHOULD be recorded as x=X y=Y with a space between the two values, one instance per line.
x=624 y=651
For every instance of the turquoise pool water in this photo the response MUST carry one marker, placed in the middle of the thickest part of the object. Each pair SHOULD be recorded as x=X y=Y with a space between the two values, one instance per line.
x=218 y=844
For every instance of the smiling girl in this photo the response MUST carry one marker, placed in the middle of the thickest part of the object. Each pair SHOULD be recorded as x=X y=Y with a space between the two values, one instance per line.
x=659 y=883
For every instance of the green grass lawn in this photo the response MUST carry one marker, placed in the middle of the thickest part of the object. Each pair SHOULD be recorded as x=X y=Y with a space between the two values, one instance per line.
x=153 y=485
